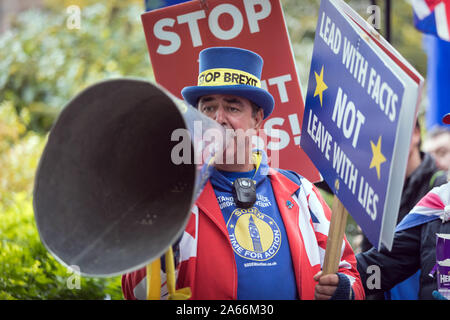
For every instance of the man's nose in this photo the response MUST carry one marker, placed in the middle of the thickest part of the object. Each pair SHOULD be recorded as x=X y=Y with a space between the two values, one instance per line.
x=220 y=116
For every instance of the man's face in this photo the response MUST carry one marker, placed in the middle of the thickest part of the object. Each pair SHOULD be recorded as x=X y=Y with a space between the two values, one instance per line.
x=234 y=113
x=439 y=147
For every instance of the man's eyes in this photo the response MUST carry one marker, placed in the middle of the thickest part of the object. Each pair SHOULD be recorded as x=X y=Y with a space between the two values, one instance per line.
x=233 y=109
x=227 y=108
x=207 y=108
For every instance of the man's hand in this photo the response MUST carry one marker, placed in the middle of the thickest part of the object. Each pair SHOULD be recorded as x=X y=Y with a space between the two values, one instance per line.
x=326 y=287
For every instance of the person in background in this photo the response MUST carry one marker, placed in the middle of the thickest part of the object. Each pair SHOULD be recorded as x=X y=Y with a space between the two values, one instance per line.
x=438 y=145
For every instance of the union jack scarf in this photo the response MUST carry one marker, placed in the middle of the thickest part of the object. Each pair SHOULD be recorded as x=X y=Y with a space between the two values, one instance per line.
x=432 y=17
x=435 y=205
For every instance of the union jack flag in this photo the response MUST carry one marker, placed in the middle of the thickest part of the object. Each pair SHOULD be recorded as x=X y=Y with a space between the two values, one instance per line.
x=432 y=16
x=435 y=205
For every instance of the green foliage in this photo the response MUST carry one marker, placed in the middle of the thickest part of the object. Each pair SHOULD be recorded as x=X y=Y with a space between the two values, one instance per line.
x=44 y=62
x=404 y=36
x=27 y=269
x=19 y=155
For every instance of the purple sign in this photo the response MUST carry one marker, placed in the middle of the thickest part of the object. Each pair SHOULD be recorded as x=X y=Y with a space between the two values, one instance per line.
x=358 y=119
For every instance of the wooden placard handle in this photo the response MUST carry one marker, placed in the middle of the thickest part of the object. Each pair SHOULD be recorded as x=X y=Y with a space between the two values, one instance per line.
x=335 y=236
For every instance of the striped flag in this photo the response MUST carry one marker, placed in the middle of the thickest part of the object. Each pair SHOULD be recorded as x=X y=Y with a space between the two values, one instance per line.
x=435 y=205
x=432 y=16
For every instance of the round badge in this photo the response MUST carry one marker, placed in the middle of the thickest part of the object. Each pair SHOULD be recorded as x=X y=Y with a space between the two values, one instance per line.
x=253 y=235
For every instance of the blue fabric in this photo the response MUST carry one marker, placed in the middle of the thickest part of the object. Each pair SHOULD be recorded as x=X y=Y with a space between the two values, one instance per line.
x=406 y=290
x=438 y=88
x=344 y=290
x=231 y=176
x=409 y=288
x=426 y=25
x=413 y=220
x=416 y=218
x=259 y=240
x=154 y=4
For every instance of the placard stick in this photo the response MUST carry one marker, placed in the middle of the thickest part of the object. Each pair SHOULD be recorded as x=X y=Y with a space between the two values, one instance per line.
x=335 y=236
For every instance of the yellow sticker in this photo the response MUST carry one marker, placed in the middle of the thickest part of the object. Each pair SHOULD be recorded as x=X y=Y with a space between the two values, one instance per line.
x=224 y=77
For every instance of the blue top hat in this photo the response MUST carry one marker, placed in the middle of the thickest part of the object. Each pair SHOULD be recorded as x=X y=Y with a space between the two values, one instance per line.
x=234 y=71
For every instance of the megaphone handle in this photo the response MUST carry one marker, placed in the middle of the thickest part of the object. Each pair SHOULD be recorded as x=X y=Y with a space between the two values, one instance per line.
x=180 y=294
x=170 y=271
x=154 y=280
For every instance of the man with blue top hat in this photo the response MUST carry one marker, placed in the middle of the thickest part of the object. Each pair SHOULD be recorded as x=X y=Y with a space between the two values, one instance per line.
x=255 y=232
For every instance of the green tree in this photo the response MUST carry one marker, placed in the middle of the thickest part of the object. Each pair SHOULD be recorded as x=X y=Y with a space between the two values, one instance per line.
x=45 y=62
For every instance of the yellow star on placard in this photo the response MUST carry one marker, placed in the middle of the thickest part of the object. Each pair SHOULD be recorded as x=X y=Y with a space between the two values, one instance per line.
x=377 y=156
x=320 y=86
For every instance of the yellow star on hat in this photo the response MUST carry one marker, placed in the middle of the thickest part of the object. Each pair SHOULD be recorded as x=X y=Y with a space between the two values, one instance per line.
x=377 y=156
x=320 y=86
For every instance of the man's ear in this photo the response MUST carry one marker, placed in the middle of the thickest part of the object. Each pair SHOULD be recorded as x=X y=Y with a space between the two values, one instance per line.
x=259 y=117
